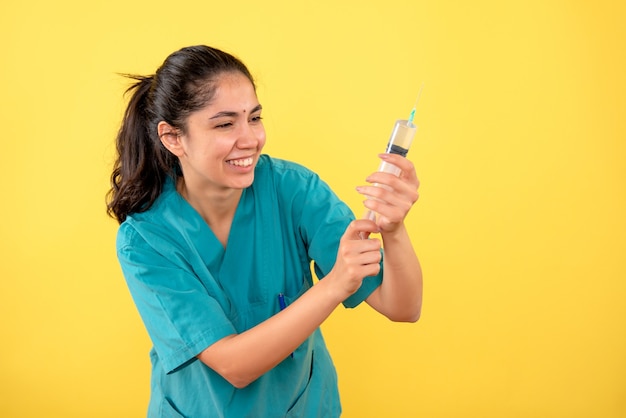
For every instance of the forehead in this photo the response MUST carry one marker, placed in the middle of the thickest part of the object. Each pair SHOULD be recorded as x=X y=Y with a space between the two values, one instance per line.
x=232 y=87
x=233 y=94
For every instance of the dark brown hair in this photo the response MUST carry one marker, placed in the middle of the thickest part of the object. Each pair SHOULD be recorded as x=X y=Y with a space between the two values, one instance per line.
x=184 y=83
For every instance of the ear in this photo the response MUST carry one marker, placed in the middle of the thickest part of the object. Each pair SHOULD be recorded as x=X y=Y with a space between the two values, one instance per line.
x=170 y=138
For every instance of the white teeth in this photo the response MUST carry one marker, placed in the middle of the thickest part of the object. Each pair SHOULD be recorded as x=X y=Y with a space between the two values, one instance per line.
x=241 y=163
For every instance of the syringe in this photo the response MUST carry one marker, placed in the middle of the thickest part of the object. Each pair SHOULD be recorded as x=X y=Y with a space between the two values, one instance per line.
x=399 y=143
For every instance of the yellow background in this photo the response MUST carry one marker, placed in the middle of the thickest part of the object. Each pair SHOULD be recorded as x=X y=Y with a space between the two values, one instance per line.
x=520 y=226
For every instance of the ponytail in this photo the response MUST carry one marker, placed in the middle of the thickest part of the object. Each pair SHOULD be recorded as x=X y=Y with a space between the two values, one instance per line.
x=142 y=163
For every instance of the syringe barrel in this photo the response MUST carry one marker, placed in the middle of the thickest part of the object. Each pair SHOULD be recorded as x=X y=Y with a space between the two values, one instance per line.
x=399 y=143
x=401 y=137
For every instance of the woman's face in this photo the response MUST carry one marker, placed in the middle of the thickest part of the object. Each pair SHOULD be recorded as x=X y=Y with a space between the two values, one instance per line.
x=224 y=139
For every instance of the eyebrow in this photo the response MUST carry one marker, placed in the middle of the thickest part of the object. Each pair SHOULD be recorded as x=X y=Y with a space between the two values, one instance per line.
x=228 y=113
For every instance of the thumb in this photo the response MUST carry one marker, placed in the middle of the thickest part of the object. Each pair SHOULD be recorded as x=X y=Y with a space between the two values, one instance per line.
x=360 y=229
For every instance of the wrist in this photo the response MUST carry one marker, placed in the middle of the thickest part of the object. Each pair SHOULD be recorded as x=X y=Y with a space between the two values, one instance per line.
x=331 y=291
x=397 y=233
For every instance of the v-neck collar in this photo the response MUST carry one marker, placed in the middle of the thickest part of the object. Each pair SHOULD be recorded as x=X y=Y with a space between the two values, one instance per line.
x=209 y=246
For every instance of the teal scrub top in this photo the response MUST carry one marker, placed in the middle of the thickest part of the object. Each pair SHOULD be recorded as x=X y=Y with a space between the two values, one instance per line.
x=191 y=292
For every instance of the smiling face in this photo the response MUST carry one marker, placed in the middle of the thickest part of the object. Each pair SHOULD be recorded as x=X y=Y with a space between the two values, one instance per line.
x=222 y=141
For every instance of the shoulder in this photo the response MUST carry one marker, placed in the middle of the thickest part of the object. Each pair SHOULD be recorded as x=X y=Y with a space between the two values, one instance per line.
x=156 y=224
x=286 y=177
x=283 y=168
x=294 y=185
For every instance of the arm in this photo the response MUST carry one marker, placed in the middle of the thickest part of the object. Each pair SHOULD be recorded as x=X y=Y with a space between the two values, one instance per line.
x=400 y=295
x=242 y=358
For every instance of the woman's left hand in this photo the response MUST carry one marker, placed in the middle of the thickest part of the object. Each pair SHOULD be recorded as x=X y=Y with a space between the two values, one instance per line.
x=397 y=195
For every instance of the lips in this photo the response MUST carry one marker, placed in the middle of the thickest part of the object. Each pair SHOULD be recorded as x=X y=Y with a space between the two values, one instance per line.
x=243 y=162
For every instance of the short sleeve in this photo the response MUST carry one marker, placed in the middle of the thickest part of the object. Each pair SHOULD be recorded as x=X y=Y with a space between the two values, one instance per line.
x=180 y=315
x=323 y=221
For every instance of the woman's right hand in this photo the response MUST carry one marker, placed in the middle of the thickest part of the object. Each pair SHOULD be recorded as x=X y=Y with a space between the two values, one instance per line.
x=357 y=258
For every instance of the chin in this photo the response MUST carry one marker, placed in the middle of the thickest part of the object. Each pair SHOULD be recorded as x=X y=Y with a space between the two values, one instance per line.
x=243 y=184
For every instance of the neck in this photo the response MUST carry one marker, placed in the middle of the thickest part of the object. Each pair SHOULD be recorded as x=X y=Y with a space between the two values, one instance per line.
x=217 y=208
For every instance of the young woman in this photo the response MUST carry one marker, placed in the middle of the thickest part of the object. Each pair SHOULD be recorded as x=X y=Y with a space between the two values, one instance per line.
x=216 y=241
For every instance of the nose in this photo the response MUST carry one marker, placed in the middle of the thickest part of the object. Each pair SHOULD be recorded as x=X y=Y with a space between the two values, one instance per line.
x=250 y=135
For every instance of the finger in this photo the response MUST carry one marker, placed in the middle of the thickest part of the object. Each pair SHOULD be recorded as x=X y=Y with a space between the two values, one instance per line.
x=371 y=257
x=386 y=214
x=403 y=197
x=359 y=227
x=369 y=253
x=399 y=161
x=400 y=183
